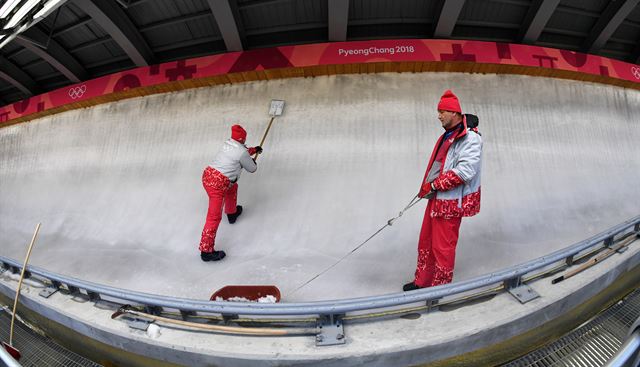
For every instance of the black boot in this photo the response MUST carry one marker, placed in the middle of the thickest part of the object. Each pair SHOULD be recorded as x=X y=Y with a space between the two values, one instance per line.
x=212 y=256
x=233 y=217
x=410 y=287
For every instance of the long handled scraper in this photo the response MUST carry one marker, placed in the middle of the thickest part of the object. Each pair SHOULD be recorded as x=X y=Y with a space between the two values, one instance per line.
x=275 y=109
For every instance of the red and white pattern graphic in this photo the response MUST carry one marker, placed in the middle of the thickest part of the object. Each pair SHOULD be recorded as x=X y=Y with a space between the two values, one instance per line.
x=423 y=256
x=323 y=54
x=447 y=209
x=220 y=191
x=442 y=275
x=447 y=181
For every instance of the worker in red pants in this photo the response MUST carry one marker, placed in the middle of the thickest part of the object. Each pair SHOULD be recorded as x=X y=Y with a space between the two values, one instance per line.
x=452 y=185
x=220 y=180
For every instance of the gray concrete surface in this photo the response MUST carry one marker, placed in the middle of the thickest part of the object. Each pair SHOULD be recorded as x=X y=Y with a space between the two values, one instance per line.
x=434 y=336
x=117 y=187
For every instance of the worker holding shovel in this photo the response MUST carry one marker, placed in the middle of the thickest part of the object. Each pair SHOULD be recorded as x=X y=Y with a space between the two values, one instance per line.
x=220 y=180
x=452 y=185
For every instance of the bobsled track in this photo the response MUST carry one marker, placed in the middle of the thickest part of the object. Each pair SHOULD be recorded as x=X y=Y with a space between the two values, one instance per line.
x=117 y=189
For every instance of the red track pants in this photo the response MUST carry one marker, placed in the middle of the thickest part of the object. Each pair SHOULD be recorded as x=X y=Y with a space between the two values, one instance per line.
x=220 y=190
x=436 y=249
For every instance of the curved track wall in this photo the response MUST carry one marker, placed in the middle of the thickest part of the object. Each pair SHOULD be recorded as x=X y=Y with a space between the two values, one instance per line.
x=117 y=186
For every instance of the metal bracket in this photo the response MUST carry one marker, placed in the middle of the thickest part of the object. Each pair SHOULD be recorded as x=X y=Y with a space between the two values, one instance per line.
x=47 y=292
x=512 y=283
x=53 y=288
x=93 y=296
x=608 y=242
x=228 y=317
x=186 y=314
x=153 y=310
x=432 y=304
x=569 y=260
x=524 y=293
x=137 y=323
x=519 y=290
x=330 y=330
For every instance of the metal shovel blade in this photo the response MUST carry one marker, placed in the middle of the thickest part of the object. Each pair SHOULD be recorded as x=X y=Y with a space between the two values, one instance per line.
x=276 y=107
x=13 y=351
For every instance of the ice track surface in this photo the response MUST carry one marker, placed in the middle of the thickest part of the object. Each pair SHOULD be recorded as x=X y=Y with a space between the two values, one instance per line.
x=117 y=187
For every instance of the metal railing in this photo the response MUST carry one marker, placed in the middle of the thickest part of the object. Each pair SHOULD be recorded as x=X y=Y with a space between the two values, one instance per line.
x=335 y=310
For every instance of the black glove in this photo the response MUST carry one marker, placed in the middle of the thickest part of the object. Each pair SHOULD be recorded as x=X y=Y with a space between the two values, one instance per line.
x=258 y=149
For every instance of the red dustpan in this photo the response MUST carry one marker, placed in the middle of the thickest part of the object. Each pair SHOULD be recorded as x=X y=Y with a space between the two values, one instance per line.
x=13 y=351
x=250 y=292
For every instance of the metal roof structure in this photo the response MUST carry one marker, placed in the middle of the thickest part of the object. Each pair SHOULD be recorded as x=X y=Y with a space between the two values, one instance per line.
x=84 y=39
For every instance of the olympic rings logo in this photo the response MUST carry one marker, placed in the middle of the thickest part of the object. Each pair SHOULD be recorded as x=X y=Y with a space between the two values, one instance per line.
x=635 y=71
x=77 y=92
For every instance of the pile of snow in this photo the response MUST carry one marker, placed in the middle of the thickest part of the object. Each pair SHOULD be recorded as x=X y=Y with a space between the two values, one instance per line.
x=153 y=331
x=266 y=299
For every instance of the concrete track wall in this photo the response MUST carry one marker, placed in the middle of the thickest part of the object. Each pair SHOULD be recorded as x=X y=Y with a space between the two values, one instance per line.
x=117 y=186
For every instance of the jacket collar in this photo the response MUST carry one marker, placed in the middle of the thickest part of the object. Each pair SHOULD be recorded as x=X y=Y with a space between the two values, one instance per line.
x=460 y=130
x=236 y=143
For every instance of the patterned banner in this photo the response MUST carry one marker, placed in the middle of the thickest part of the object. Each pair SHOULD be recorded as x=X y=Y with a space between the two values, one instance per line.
x=339 y=53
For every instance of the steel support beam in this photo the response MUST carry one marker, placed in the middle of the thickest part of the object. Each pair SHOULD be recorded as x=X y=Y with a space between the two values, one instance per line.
x=611 y=18
x=228 y=19
x=338 y=20
x=35 y=40
x=110 y=17
x=260 y=3
x=70 y=27
x=17 y=77
x=536 y=19
x=448 y=15
x=175 y=20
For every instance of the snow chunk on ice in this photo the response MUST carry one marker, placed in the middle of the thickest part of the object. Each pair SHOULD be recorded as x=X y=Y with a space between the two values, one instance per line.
x=267 y=299
x=153 y=331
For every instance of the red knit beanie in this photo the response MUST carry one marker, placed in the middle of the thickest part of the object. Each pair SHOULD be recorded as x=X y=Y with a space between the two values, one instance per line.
x=449 y=102
x=238 y=133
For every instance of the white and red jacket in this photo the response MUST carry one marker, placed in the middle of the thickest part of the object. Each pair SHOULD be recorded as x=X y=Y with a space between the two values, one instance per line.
x=458 y=182
x=232 y=158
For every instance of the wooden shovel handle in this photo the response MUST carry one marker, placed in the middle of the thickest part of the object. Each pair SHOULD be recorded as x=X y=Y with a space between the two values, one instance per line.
x=255 y=156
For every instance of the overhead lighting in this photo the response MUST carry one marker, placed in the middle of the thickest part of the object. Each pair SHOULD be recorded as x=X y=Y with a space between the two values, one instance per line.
x=8 y=7
x=5 y=40
x=50 y=6
x=17 y=17
x=20 y=16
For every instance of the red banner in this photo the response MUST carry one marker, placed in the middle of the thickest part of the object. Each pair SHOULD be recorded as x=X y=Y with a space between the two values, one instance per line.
x=326 y=54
